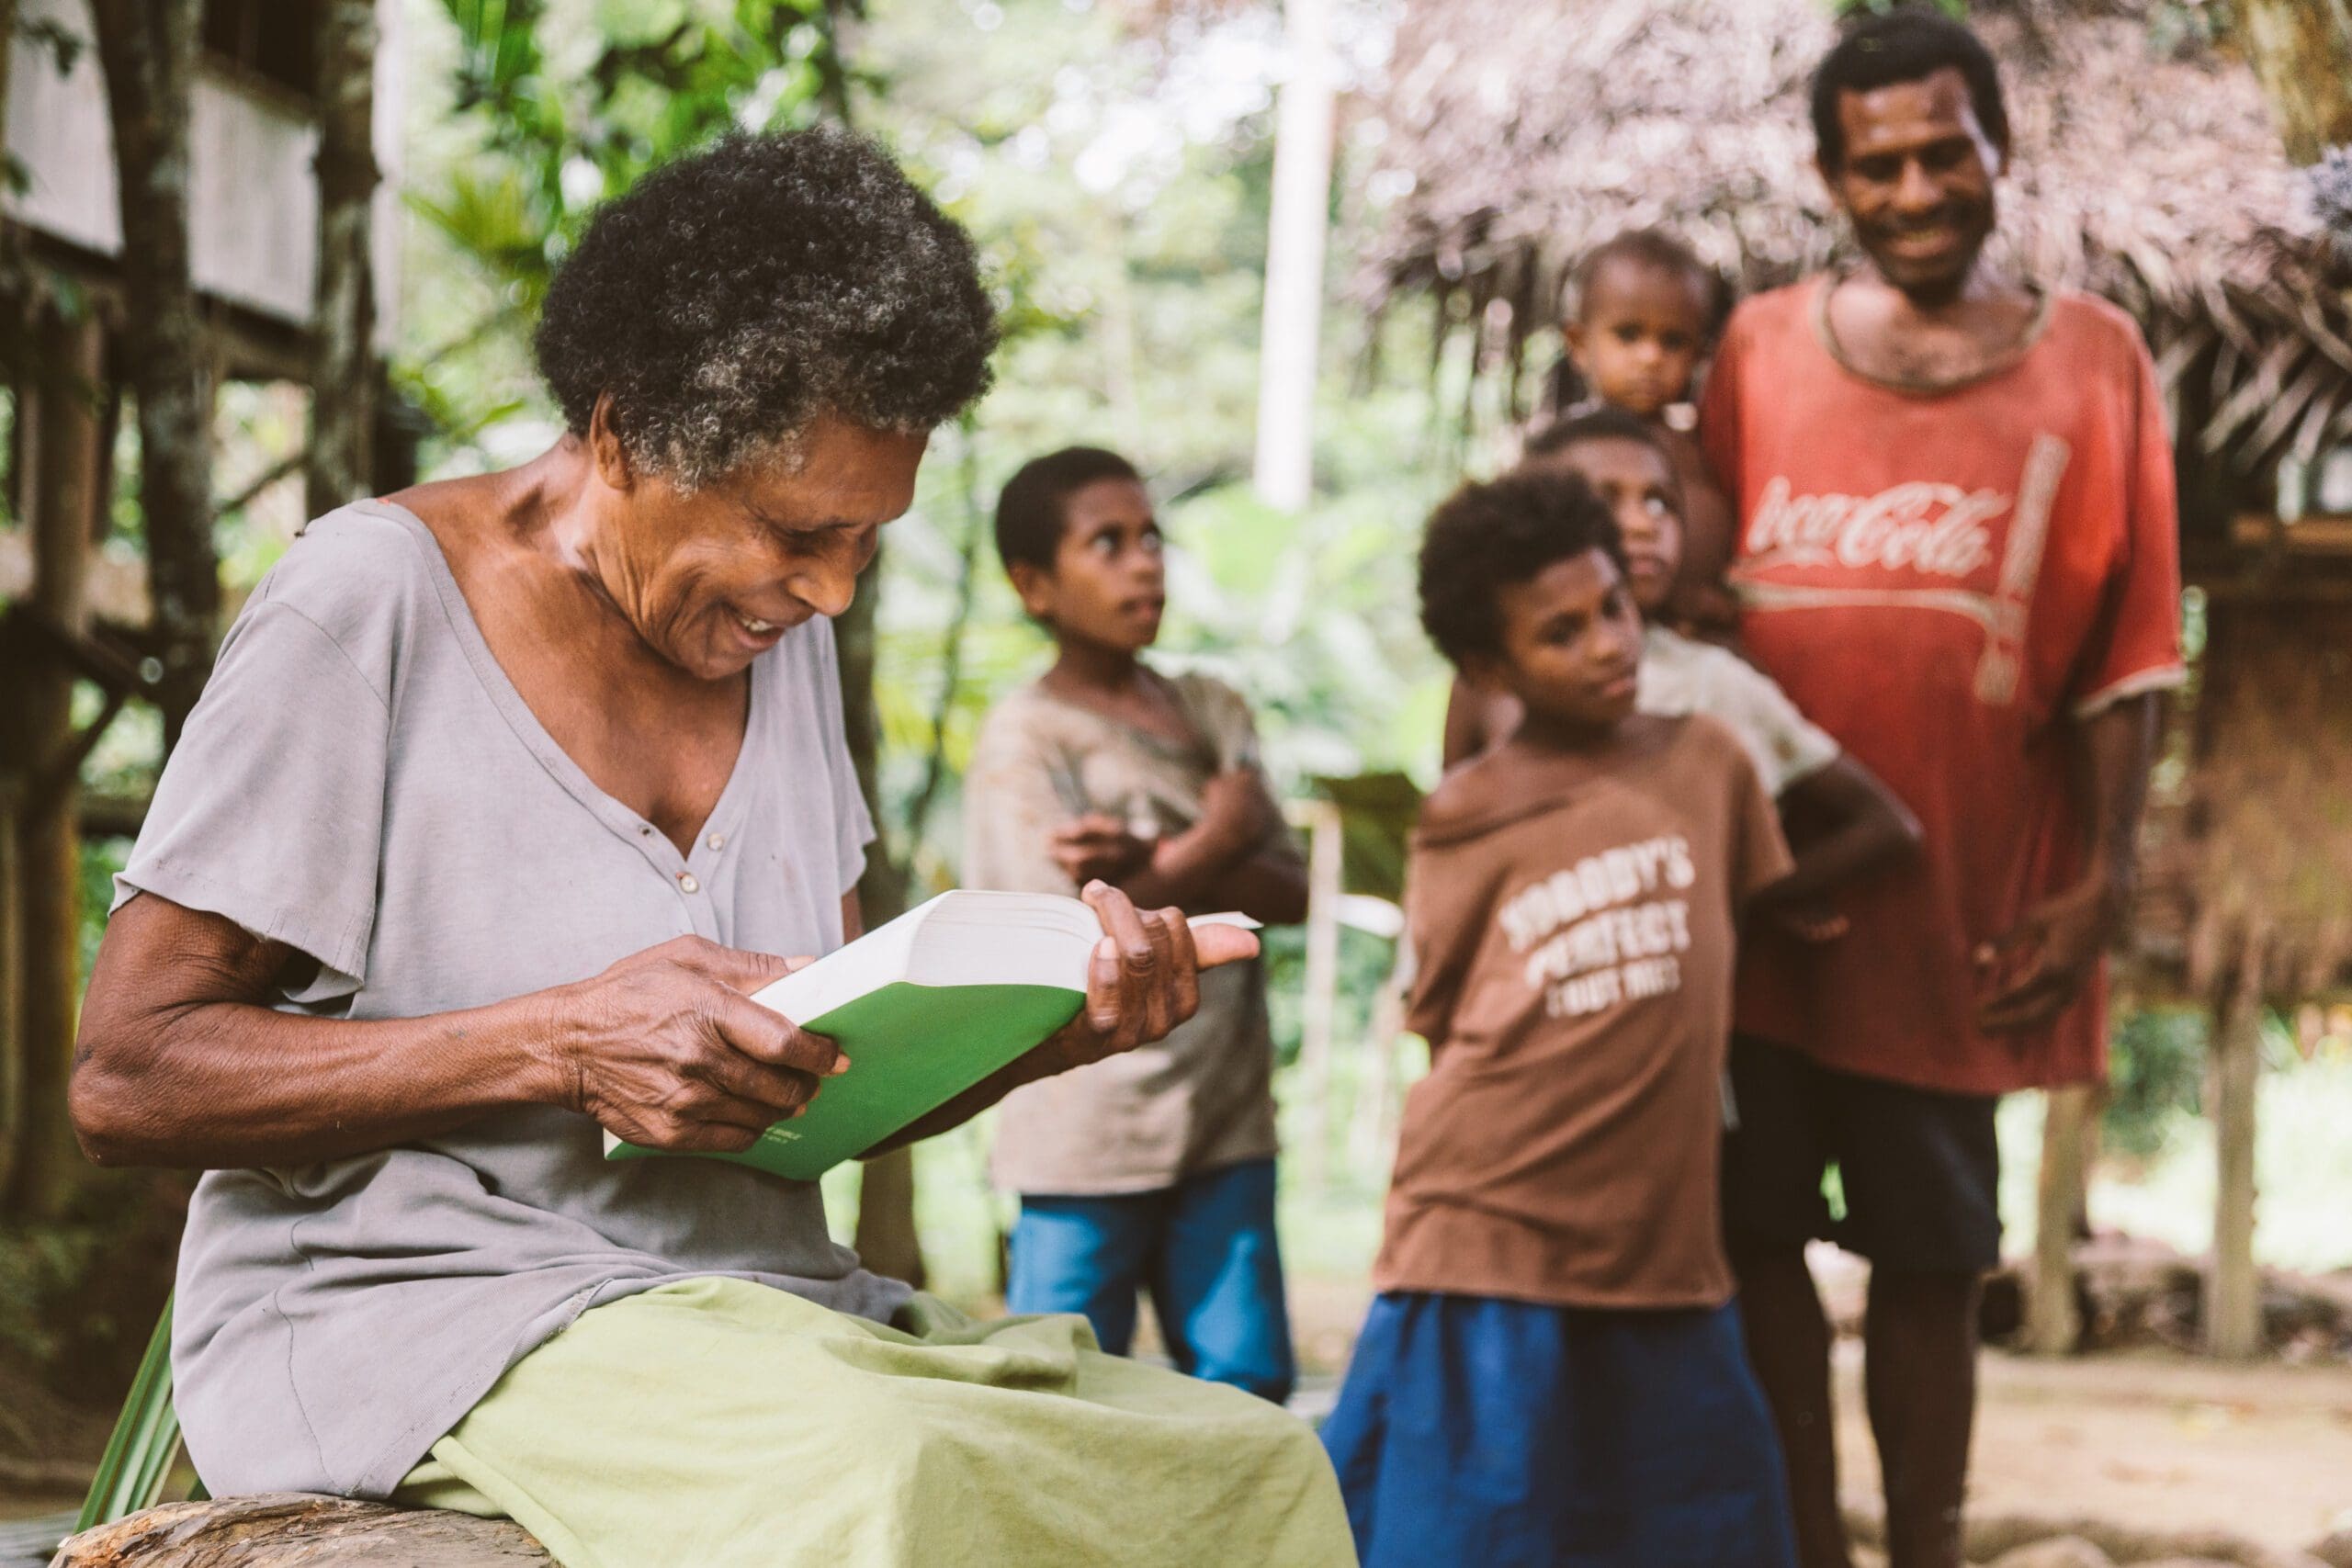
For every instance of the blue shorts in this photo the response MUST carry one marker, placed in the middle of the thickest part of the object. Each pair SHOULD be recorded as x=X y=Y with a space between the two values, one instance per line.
x=1516 y=1435
x=1205 y=1250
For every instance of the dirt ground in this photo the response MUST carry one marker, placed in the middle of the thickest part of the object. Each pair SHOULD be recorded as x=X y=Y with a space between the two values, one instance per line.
x=2152 y=1439
x=2155 y=1440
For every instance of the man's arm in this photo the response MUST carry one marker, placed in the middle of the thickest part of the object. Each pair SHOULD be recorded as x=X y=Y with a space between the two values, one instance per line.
x=2032 y=973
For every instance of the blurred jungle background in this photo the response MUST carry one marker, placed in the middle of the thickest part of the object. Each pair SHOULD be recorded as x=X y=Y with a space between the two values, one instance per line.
x=345 y=216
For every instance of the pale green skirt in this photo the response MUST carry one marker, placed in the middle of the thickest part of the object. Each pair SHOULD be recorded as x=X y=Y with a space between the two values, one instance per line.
x=721 y=1422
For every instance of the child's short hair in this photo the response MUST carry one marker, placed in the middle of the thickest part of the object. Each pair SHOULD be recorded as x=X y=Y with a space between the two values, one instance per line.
x=1655 y=248
x=1603 y=424
x=1029 y=509
x=1486 y=536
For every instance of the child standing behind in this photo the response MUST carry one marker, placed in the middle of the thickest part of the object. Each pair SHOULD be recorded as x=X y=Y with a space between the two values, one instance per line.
x=1844 y=820
x=1646 y=308
x=1154 y=1170
x=1552 y=1372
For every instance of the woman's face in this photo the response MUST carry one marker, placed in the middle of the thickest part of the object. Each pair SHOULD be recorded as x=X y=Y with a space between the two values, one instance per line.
x=713 y=578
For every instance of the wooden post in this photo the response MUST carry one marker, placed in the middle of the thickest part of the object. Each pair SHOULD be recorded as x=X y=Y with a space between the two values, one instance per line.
x=338 y=463
x=1317 y=1016
x=1296 y=230
x=47 y=927
x=2053 y=1324
x=2301 y=53
x=15 y=1122
x=2233 y=1291
x=887 y=1239
x=1374 y=1129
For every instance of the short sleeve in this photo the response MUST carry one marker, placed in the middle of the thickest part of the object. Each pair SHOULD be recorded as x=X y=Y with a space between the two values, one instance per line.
x=1444 y=944
x=270 y=811
x=1010 y=808
x=1224 y=717
x=853 y=819
x=1760 y=857
x=1783 y=744
x=2141 y=621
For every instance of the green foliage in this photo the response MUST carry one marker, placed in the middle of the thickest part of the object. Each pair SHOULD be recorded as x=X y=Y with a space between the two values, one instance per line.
x=2156 y=1077
x=533 y=112
x=79 y=1296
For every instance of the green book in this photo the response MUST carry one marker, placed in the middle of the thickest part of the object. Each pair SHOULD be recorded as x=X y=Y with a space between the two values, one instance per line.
x=924 y=1007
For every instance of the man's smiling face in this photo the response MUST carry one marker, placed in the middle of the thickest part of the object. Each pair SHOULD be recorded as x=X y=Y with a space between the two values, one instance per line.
x=1917 y=180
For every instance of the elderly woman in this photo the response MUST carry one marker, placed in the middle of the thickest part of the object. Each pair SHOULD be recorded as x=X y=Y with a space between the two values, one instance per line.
x=505 y=793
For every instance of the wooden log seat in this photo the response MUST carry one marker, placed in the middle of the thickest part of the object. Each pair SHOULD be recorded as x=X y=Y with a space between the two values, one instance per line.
x=297 y=1529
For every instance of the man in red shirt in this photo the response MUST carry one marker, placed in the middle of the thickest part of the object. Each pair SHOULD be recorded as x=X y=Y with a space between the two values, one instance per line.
x=1958 y=553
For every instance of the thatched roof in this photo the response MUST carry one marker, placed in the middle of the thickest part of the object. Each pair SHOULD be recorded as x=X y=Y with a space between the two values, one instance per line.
x=1531 y=129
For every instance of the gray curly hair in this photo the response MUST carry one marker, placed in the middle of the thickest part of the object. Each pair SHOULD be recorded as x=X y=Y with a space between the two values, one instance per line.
x=728 y=300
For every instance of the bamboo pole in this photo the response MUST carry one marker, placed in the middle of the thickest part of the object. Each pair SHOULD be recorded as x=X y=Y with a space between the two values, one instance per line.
x=1296 y=234
x=2233 y=1289
x=2053 y=1321
x=1372 y=1137
x=1318 y=1017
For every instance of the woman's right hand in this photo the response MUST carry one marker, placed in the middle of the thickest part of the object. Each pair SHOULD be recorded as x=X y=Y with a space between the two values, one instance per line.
x=667 y=1050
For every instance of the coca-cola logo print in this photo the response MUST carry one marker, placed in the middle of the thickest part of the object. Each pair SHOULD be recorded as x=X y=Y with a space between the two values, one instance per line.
x=1940 y=537
x=1940 y=530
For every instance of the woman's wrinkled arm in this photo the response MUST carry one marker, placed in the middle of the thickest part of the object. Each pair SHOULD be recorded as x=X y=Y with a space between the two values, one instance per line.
x=181 y=1062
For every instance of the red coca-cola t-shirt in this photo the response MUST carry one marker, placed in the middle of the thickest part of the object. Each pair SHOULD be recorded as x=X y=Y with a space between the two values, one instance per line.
x=1942 y=580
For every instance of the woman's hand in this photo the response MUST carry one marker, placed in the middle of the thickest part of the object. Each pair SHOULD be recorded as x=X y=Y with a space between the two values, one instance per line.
x=1144 y=981
x=666 y=1048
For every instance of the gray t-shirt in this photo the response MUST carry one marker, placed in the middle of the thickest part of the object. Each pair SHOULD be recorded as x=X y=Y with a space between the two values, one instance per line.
x=362 y=783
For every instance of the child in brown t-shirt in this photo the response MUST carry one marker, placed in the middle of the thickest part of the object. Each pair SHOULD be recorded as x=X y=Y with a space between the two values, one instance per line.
x=1553 y=1369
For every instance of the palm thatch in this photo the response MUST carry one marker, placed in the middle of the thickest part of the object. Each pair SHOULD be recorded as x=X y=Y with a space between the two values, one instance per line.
x=1526 y=131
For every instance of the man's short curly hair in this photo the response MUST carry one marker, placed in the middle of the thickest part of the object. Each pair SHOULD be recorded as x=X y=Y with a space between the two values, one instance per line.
x=1484 y=537
x=728 y=300
x=1909 y=43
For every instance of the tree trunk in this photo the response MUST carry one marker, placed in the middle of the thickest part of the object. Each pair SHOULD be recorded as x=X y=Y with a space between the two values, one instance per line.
x=1296 y=234
x=2054 y=1325
x=148 y=50
x=885 y=1206
x=294 y=1529
x=2301 y=51
x=2233 y=1292
x=46 y=924
x=343 y=322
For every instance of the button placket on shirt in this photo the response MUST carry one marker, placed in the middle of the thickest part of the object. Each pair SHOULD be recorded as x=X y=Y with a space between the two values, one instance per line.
x=702 y=919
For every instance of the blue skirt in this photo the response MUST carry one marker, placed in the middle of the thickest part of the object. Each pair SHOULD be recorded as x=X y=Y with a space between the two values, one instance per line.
x=1511 y=1435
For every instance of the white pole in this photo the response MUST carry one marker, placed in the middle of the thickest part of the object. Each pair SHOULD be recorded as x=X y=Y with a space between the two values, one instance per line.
x=1295 y=239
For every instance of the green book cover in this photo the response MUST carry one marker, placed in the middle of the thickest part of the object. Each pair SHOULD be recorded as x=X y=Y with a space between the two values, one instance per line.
x=911 y=1049
x=924 y=1007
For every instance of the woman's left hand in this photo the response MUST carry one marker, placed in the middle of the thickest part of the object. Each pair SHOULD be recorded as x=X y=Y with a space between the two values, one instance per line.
x=1145 y=979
